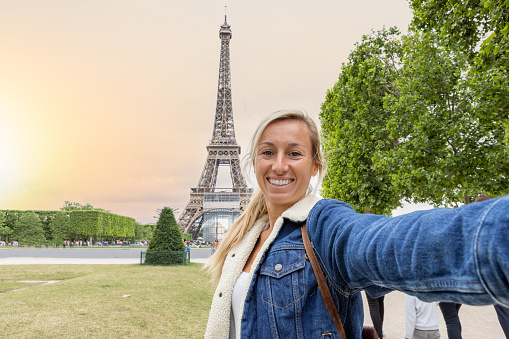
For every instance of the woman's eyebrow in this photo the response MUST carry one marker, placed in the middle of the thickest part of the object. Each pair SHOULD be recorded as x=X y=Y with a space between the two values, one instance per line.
x=266 y=143
x=293 y=144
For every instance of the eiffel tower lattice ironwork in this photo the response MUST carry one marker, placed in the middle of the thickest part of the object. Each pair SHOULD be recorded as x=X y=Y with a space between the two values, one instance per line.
x=208 y=201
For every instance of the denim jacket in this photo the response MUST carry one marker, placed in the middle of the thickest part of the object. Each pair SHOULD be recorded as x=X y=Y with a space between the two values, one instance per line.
x=459 y=255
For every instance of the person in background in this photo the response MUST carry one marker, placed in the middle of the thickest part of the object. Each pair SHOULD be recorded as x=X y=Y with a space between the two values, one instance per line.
x=376 y=312
x=421 y=319
x=450 y=311
x=502 y=312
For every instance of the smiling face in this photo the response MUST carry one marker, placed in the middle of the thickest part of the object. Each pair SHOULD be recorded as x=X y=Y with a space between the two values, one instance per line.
x=284 y=164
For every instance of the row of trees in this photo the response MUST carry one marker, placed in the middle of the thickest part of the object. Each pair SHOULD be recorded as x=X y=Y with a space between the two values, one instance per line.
x=72 y=222
x=424 y=116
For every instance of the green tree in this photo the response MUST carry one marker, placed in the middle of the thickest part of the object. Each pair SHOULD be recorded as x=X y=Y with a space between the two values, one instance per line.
x=2 y=221
x=450 y=140
x=443 y=106
x=166 y=246
x=11 y=217
x=60 y=227
x=76 y=206
x=478 y=29
x=29 y=229
x=4 y=229
x=167 y=235
x=353 y=120
x=143 y=231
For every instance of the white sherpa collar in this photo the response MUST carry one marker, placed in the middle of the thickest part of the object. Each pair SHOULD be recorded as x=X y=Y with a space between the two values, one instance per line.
x=300 y=210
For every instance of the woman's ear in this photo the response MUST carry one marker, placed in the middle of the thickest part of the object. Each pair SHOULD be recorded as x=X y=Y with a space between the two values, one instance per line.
x=315 y=168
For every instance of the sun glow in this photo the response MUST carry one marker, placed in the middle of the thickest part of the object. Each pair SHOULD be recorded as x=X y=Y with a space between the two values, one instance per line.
x=18 y=158
x=10 y=151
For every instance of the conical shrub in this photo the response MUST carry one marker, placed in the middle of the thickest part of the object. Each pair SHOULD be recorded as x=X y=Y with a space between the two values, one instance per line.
x=167 y=238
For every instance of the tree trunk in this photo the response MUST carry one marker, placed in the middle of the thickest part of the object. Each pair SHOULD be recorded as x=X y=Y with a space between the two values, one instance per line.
x=466 y=198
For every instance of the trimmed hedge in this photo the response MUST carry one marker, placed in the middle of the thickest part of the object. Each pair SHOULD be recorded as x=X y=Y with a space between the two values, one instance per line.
x=99 y=224
x=83 y=224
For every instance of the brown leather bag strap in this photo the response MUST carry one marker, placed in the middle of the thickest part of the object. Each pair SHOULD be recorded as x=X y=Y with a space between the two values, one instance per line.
x=322 y=285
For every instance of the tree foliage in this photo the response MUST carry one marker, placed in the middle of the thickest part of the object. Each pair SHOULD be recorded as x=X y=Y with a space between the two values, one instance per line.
x=167 y=235
x=353 y=120
x=60 y=227
x=143 y=232
x=450 y=147
x=5 y=230
x=166 y=246
x=97 y=223
x=80 y=225
x=445 y=107
x=478 y=29
x=187 y=236
x=29 y=229
x=76 y=206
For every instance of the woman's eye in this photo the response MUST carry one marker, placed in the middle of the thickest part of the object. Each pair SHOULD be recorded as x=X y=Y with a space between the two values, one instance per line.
x=295 y=154
x=266 y=153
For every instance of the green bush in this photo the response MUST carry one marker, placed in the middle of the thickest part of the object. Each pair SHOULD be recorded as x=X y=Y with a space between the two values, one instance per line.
x=165 y=258
x=167 y=238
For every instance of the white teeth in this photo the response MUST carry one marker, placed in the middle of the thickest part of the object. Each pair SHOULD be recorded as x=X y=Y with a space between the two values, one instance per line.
x=279 y=182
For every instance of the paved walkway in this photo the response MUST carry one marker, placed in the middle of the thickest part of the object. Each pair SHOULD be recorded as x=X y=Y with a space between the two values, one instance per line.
x=477 y=322
x=75 y=261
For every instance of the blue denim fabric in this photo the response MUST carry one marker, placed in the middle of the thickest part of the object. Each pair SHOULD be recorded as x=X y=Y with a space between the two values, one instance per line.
x=284 y=300
x=457 y=255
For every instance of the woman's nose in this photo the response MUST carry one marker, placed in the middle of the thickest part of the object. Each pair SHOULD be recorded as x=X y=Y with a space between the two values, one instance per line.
x=280 y=164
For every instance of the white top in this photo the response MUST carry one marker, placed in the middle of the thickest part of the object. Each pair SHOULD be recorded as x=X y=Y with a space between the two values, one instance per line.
x=419 y=315
x=238 y=292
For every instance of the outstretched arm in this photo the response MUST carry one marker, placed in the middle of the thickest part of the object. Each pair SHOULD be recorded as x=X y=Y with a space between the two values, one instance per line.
x=457 y=255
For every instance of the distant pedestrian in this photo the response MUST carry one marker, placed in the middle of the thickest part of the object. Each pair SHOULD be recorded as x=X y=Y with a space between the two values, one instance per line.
x=421 y=319
x=376 y=312
x=450 y=311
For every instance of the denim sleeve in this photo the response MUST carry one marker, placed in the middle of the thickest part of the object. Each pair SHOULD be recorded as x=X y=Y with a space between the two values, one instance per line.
x=456 y=255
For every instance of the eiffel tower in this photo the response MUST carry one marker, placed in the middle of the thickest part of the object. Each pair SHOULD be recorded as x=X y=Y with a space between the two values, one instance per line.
x=207 y=202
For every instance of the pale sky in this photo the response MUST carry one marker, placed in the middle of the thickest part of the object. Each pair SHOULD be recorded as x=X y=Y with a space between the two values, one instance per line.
x=112 y=102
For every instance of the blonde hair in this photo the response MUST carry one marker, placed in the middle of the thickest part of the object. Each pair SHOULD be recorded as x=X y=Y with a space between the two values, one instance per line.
x=257 y=207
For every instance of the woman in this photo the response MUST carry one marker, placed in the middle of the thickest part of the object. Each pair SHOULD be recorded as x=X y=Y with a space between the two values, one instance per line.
x=267 y=288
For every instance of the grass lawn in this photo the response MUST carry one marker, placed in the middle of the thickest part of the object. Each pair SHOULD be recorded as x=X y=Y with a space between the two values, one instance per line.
x=105 y=301
x=10 y=285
